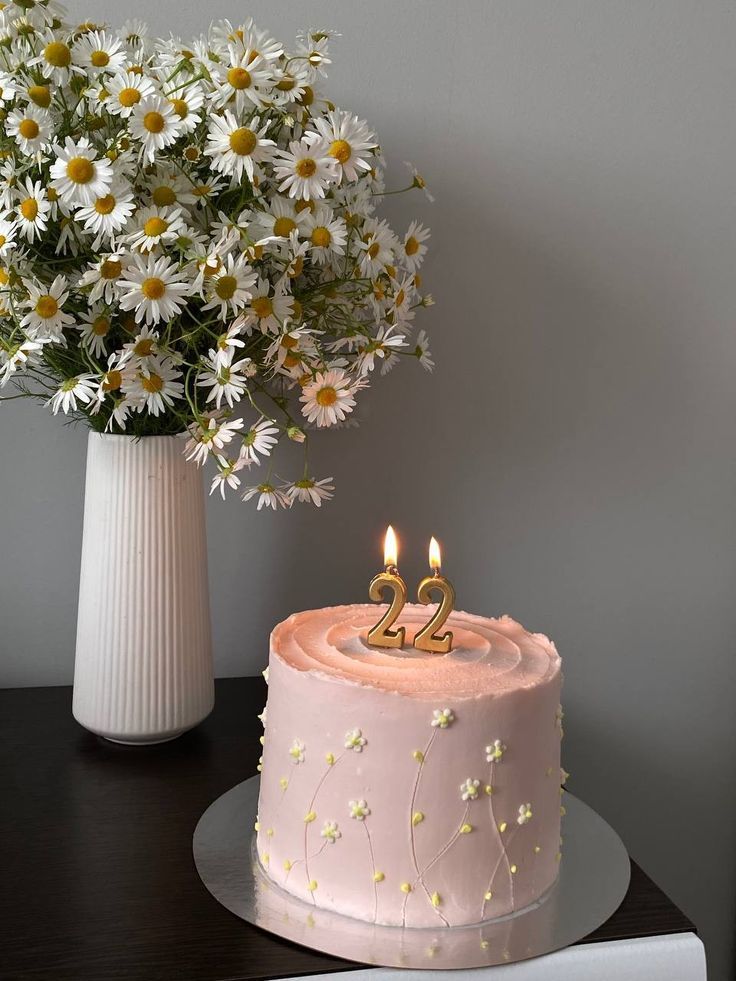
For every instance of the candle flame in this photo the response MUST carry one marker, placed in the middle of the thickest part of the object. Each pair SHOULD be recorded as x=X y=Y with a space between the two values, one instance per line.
x=390 y=548
x=435 y=558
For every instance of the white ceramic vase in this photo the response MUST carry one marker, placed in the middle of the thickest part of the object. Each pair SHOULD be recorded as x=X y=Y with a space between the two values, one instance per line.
x=143 y=669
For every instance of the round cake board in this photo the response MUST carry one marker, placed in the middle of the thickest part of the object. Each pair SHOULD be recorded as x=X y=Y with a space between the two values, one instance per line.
x=594 y=877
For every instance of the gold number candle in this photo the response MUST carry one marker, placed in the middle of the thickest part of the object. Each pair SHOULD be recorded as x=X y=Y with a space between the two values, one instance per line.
x=429 y=638
x=382 y=635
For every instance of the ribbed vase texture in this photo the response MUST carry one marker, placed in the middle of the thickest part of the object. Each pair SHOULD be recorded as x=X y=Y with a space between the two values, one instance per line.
x=143 y=670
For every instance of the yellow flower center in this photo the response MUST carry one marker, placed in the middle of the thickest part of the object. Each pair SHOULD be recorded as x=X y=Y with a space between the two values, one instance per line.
x=154 y=122
x=307 y=96
x=28 y=129
x=129 y=97
x=373 y=250
x=155 y=226
x=180 y=108
x=341 y=151
x=105 y=205
x=40 y=95
x=297 y=266
x=262 y=306
x=304 y=206
x=153 y=288
x=57 y=54
x=202 y=190
x=101 y=326
x=52 y=194
x=326 y=396
x=296 y=310
x=412 y=246
x=289 y=342
x=163 y=196
x=3 y=240
x=286 y=84
x=29 y=209
x=243 y=141
x=291 y=360
x=321 y=237
x=239 y=78
x=226 y=286
x=113 y=380
x=80 y=170
x=110 y=269
x=46 y=306
x=143 y=347
x=305 y=167
x=152 y=383
x=400 y=297
x=100 y=59
x=191 y=153
x=283 y=227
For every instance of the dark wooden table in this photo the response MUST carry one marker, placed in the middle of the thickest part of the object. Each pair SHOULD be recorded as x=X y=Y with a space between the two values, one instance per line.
x=97 y=881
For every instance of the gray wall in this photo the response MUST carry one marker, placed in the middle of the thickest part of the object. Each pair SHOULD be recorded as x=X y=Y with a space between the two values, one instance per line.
x=575 y=447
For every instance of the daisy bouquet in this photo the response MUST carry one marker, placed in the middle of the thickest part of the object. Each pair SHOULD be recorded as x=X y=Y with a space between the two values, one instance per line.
x=189 y=241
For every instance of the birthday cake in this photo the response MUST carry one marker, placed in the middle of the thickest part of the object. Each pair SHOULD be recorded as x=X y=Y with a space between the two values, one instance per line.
x=405 y=787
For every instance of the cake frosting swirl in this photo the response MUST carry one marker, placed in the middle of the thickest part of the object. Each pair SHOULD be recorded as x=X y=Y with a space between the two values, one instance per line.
x=406 y=787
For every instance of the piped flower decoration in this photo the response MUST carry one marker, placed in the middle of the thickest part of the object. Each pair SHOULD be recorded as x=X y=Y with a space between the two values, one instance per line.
x=442 y=718
x=355 y=740
x=330 y=832
x=525 y=814
x=495 y=751
x=359 y=810
x=469 y=789
x=296 y=751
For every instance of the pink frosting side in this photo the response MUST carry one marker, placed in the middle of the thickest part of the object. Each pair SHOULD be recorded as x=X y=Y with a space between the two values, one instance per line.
x=408 y=788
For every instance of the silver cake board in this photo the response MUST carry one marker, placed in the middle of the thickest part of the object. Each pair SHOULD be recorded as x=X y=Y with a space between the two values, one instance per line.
x=594 y=877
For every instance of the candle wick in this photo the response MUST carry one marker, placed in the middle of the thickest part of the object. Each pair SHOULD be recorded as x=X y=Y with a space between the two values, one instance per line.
x=392 y=570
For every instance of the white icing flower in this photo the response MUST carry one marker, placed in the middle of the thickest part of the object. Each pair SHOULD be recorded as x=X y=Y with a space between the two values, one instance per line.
x=495 y=751
x=469 y=789
x=525 y=813
x=442 y=718
x=263 y=716
x=354 y=739
x=265 y=674
x=563 y=775
x=296 y=752
x=331 y=832
x=359 y=810
x=559 y=716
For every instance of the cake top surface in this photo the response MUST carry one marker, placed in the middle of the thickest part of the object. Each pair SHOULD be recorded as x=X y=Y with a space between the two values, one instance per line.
x=489 y=656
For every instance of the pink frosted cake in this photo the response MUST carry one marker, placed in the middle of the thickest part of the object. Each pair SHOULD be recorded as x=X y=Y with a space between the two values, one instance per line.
x=410 y=788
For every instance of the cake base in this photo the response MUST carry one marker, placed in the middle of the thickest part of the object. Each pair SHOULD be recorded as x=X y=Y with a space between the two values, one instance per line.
x=594 y=877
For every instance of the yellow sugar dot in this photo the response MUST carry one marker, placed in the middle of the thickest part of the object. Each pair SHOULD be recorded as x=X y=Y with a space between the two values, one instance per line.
x=466 y=829
x=257 y=826
x=283 y=783
x=563 y=810
x=418 y=755
x=312 y=885
x=262 y=740
x=436 y=899
x=269 y=832
x=488 y=896
x=488 y=789
x=502 y=827
x=558 y=856
x=514 y=869
x=537 y=849
x=484 y=945
x=265 y=858
x=287 y=864
x=378 y=876
x=405 y=887
x=548 y=771
x=80 y=170
x=417 y=818
x=308 y=818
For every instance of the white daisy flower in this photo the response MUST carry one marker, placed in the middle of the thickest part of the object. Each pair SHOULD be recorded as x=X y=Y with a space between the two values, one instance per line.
x=155 y=124
x=313 y=48
x=355 y=740
x=80 y=388
x=230 y=288
x=210 y=434
x=156 y=227
x=348 y=139
x=306 y=169
x=45 y=318
x=104 y=277
x=156 y=385
x=187 y=100
x=525 y=814
x=310 y=491
x=413 y=249
x=359 y=809
x=268 y=496
x=95 y=325
x=495 y=751
x=421 y=350
x=442 y=718
x=382 y=346
x=469 y=789
x=227 y=475
x=56 y=59
x=375 y=247
x=126 y=90
x=98 y=52
x=8 y=231
x=234 y=148
x=296 y=751
x=167 y=186
x=227 y=345
x=108 y=214
x=328 y=398
x=226 y=381
x=327 y=233
x=417 y=180
x=8 y=89
x=259 y=439
x=280 y=219
x=17 y=357
x=154 y=288
x=143 y=348
x=243 y=80
x=31 y=128
x=331 y=832
x=77 y=176
x=266 y=311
